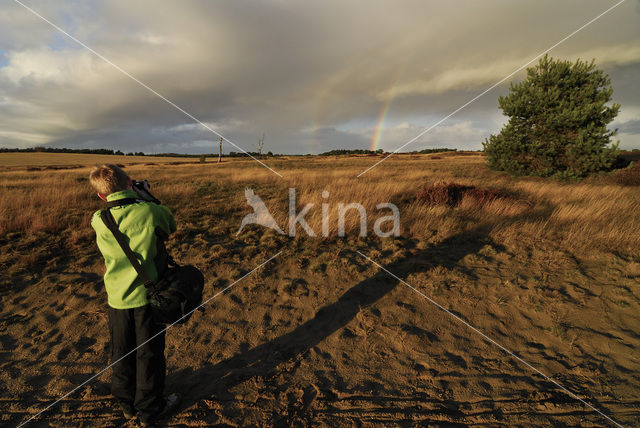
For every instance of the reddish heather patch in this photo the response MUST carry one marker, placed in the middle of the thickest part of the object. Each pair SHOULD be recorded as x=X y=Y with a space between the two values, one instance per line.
x=628 y=176
x=451 y=194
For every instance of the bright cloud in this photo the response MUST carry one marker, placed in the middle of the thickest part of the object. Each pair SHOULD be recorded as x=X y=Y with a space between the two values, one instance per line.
x=285 y=68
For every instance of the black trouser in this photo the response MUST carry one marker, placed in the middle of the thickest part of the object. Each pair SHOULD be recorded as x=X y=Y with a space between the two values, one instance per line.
x=137 y=381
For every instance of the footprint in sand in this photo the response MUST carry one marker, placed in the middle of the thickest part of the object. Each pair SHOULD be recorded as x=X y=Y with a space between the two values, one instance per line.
x=309 y=396
x=63 y=354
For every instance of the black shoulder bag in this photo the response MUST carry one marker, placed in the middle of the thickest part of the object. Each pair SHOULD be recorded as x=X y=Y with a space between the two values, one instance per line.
x=176 y=295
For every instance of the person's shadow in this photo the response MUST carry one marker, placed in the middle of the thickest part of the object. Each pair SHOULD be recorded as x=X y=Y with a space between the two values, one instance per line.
x=213 y=381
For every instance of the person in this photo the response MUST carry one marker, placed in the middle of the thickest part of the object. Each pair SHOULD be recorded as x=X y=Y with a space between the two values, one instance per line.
x=137 y=381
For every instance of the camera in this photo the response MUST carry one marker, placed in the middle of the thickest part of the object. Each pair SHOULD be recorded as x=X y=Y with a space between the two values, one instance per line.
x=141 y=187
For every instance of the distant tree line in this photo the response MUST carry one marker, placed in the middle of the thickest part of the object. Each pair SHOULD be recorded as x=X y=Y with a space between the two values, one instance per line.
x=350 y=152
x=65 y=150
x=379 y=151
x=254 y=154
x=117 y=152
x=425 y=151
x=206 y=155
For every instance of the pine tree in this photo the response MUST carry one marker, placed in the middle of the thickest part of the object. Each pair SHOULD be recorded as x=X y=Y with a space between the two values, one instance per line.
x=558 y=120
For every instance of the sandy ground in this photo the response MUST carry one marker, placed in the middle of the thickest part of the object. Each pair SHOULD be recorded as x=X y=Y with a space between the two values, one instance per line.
x=321 y=337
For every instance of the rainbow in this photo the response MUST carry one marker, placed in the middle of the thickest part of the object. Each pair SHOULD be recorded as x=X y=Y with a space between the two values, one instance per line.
x=324 y=96
x=375 y=141
x=391 y=93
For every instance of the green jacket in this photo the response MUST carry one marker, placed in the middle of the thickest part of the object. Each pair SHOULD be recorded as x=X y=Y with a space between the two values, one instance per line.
x=138 y=222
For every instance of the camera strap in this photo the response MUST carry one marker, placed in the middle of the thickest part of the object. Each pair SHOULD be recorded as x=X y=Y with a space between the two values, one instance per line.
x=109 y=221
x=124 y=201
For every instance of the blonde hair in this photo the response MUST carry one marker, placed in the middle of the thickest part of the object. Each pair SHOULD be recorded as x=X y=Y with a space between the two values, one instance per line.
x=108 y=178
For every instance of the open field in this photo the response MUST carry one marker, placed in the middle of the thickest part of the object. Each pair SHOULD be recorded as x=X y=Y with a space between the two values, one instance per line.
x=321 y=336
x=79 y=159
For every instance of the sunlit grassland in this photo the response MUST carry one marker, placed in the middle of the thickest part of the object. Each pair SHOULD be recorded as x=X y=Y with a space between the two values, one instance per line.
x=590 y=213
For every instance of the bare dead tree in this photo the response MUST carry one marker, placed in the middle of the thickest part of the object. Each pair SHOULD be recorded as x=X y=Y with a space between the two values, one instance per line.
x=220 y=151
x=260 y=144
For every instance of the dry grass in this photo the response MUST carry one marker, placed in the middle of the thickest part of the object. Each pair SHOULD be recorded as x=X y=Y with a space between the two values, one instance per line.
x=573 y=214
x=77 y=159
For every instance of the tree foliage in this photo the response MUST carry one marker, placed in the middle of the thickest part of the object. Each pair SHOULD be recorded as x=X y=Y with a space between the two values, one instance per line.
x=558 y=119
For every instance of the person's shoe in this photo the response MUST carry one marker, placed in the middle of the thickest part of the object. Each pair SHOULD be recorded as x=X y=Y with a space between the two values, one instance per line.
x=128 y=411
x=171 y=403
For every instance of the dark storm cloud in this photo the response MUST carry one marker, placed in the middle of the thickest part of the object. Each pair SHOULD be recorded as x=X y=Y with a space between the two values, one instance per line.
x=311 y=75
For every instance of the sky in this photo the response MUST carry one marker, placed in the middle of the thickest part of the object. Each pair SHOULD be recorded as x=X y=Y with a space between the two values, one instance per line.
x=312 y=76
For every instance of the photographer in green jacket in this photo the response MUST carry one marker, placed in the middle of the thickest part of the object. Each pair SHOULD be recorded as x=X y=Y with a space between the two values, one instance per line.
x=137 y=380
